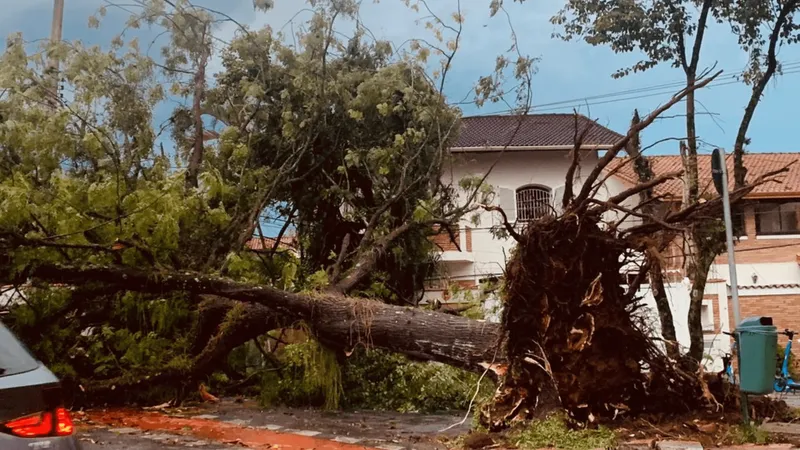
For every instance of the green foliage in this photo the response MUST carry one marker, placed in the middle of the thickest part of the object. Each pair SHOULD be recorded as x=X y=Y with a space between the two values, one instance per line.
x=554 y=432
x=310 y=375
x=379 y=380
x=346 y=137
x=749 y=434
x=368 y=379
x=142 y=336
x=663 y=30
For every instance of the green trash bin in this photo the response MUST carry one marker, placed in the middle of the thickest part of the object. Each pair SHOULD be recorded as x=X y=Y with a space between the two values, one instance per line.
x=757 y=343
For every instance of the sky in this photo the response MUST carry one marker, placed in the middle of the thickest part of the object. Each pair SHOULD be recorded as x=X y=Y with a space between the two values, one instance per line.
x=569 y=74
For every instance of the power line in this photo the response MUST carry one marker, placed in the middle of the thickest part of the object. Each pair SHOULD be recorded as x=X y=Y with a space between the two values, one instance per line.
x=645 y=92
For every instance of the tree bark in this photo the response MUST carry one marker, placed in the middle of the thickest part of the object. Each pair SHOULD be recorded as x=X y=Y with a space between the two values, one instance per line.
x=237 y=328
x=337 y=321
x=739 y=170
x=668 y=333
x=196 y=157
x=707 y=245
x=645 y=173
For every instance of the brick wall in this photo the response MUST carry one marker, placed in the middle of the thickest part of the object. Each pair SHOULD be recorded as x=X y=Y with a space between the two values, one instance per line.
x=754 y=250
x=468 y=233
x=443 y=241
x=784 y=310
x=748 y=251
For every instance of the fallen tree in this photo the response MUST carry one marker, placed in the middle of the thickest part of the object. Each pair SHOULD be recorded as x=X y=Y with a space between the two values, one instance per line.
x=570 y=335
x=337 y=321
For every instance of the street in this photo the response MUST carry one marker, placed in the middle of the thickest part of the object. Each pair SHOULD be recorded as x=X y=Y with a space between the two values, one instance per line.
x=232 y=425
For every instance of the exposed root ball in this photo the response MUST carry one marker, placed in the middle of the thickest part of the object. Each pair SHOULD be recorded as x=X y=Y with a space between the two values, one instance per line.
x=574 y=339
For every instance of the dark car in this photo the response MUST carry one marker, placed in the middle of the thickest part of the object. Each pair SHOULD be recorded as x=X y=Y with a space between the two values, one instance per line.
x=32 y=412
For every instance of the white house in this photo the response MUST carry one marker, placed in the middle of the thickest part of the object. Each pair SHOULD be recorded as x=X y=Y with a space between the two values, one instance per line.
x=527 y=157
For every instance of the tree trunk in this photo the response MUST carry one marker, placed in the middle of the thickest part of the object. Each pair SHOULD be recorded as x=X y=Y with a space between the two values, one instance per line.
x=664 y=311
x=337 y=321
x=645 y=173
x=707 y=241
x=196 y=157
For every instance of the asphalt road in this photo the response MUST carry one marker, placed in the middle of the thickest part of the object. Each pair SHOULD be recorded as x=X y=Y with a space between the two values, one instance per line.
x=109 y=440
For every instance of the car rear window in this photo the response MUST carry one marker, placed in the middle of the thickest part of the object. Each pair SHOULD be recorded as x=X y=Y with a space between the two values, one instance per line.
x=14 y=357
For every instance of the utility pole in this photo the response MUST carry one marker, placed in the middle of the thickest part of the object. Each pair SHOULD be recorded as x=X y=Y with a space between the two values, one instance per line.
x=54 y=79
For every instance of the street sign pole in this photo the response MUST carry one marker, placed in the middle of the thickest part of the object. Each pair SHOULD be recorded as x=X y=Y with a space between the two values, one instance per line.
x=719 y=172
x=719 y=158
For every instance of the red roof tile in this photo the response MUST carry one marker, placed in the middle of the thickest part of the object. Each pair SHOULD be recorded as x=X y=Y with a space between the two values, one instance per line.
x=757 y=164
x=534 y=130
x=257 y=244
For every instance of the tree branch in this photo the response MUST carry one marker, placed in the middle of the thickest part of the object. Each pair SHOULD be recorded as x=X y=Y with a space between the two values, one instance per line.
x=509 y=228
x=581 y=199
x=578 y=139
x=627 y=193
x=739 y=170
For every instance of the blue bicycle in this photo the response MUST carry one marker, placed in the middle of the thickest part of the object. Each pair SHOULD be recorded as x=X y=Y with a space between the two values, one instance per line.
x=727 y=369
x=727 y=363
x=783 y=380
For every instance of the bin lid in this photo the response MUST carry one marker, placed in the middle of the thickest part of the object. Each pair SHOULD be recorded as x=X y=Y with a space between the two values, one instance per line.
x=757 y=321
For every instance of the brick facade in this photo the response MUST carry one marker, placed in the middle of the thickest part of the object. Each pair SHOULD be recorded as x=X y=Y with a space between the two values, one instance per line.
x=443 y=241
x=753 y=250
x=784 y=310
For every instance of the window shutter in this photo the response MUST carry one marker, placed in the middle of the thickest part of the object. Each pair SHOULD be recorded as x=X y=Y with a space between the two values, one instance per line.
x=508 y=201
x=557 y=198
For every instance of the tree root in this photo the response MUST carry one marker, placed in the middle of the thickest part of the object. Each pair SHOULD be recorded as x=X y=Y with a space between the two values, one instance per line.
x=573 y=338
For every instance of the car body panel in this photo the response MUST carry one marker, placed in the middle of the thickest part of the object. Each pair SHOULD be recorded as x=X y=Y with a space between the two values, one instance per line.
x=27 y=388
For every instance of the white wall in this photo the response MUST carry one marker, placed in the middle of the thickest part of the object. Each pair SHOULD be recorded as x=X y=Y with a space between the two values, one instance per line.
x=512 y=170
x=767 y=273
x=717 y=344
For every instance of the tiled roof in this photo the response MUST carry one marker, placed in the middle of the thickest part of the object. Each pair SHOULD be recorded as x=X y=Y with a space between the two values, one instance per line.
x=757 y=164
x=256 y=243
x=534 y=130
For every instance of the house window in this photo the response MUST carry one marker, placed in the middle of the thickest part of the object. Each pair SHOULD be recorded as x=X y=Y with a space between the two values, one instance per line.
x=737 y=220
x=533 y=202
x=777 y=218
x=707 y=316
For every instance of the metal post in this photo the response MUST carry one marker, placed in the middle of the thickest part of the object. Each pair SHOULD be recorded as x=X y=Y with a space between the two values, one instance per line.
x=726 y=209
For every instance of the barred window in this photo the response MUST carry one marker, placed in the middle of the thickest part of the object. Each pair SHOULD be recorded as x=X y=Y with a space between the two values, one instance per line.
x=533 y=202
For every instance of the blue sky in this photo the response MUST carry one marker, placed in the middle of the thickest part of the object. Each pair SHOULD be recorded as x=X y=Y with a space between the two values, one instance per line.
x=566 y=70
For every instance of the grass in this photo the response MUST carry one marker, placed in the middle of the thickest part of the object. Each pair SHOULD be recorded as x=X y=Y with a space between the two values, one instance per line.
x=554 y=432
x=749 y=434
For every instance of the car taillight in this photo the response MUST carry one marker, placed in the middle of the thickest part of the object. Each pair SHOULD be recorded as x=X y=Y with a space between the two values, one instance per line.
x=64 y=426
x=39 y=425
x=44 y=424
